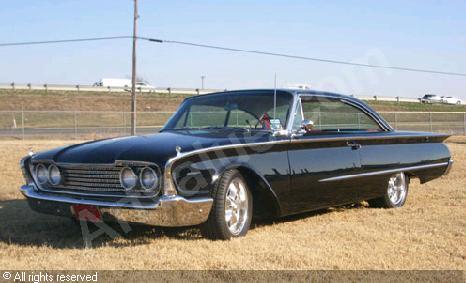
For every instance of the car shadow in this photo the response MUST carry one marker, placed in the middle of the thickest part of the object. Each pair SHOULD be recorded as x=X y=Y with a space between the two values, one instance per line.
x=257 y=223
x=22 y=226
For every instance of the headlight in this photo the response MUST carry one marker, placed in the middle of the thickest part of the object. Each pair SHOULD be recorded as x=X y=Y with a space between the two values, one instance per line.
x=128 y=179
x=42 y=174
x=54 y=175
x=148 y=178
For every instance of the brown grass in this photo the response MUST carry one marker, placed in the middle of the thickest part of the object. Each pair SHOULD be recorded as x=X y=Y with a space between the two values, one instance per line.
x=101 y=102
x=429 y=232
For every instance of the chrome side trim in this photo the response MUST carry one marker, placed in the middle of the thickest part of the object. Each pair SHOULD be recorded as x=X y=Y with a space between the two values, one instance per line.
x=384 y=172
x=358 y=138
x=169 y=187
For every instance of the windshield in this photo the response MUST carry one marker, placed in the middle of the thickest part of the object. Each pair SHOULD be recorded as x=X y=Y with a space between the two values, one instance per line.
x=245 y=109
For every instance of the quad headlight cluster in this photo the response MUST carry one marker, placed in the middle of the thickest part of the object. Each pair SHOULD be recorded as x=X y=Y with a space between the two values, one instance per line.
x=147 y=178
x=132 y=178
x=51 y=174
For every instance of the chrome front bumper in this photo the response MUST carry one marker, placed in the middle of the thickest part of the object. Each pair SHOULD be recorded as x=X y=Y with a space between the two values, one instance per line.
x=169 y=211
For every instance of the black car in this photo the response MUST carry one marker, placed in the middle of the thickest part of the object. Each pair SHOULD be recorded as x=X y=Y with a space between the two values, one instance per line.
x=224 y=158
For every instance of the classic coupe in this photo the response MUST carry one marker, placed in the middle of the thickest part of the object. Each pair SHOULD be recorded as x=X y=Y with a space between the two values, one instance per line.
x=224 y=158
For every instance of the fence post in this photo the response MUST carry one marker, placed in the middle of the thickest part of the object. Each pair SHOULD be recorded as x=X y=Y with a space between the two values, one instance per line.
x=359 y=120
x=124 y=123
x=319 y=119
x=75 y=125
x=396 y=120
x=430 y=121
x=464 y=123
x=22 y=123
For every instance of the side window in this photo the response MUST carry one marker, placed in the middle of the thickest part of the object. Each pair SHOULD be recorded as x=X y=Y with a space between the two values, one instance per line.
x=335 y=115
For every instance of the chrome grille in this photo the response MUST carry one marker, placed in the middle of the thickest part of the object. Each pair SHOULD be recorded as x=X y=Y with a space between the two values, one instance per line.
x=93 y=179
x=82 y=178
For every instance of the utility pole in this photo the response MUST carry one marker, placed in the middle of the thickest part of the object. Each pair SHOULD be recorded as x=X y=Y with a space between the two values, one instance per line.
x=133 y=73
x=202 y=81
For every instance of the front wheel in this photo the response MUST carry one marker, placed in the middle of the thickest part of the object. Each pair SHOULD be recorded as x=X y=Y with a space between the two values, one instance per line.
x=231 y=212
x=395 y=194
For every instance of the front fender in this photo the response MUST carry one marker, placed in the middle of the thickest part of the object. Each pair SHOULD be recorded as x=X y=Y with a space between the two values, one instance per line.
x=195 y=179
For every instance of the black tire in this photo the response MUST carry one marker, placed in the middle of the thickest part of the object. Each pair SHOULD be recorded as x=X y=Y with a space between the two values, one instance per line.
x=216 y=227
x=386 y=201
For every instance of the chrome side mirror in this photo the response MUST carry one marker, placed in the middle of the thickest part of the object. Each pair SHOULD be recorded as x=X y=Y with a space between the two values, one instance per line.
x=307 y=125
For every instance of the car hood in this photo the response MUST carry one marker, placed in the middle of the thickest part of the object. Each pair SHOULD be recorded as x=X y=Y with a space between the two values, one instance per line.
x=156 y=148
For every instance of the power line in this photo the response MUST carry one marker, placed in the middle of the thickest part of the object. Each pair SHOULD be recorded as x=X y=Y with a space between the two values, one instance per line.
x=304 y=57
x=63 y=40
x=231 y=49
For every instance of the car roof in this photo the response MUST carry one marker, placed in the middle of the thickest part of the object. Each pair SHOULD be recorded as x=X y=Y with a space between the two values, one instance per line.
x=291 y=91
x=287 y=90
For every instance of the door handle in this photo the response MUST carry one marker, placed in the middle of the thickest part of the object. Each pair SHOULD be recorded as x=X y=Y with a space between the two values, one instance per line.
x=353 y=145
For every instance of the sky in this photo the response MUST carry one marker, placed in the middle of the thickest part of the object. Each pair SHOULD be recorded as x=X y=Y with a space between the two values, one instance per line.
x=423 y=34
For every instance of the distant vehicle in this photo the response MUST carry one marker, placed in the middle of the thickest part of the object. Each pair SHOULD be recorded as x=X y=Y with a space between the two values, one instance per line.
x=123 y=83
x=431 y=98
x=451 y=100
x=299 y=86
x=144 y=86
x=113 y=83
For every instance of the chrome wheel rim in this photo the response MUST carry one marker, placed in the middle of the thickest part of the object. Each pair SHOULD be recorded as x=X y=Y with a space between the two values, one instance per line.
x=236 y=206
x=397 y=188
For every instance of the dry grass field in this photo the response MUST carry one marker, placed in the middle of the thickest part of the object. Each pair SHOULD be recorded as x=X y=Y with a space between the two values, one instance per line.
x=429 y=232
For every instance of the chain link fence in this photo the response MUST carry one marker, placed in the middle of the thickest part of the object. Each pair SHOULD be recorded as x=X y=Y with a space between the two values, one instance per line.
x=92 y=125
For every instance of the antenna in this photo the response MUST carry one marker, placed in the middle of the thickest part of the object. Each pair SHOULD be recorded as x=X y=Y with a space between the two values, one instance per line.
x=275 y=96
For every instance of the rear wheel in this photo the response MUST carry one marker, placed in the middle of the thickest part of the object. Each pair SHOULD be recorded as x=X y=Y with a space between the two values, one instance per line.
x=231 y=212
x=395 y=194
